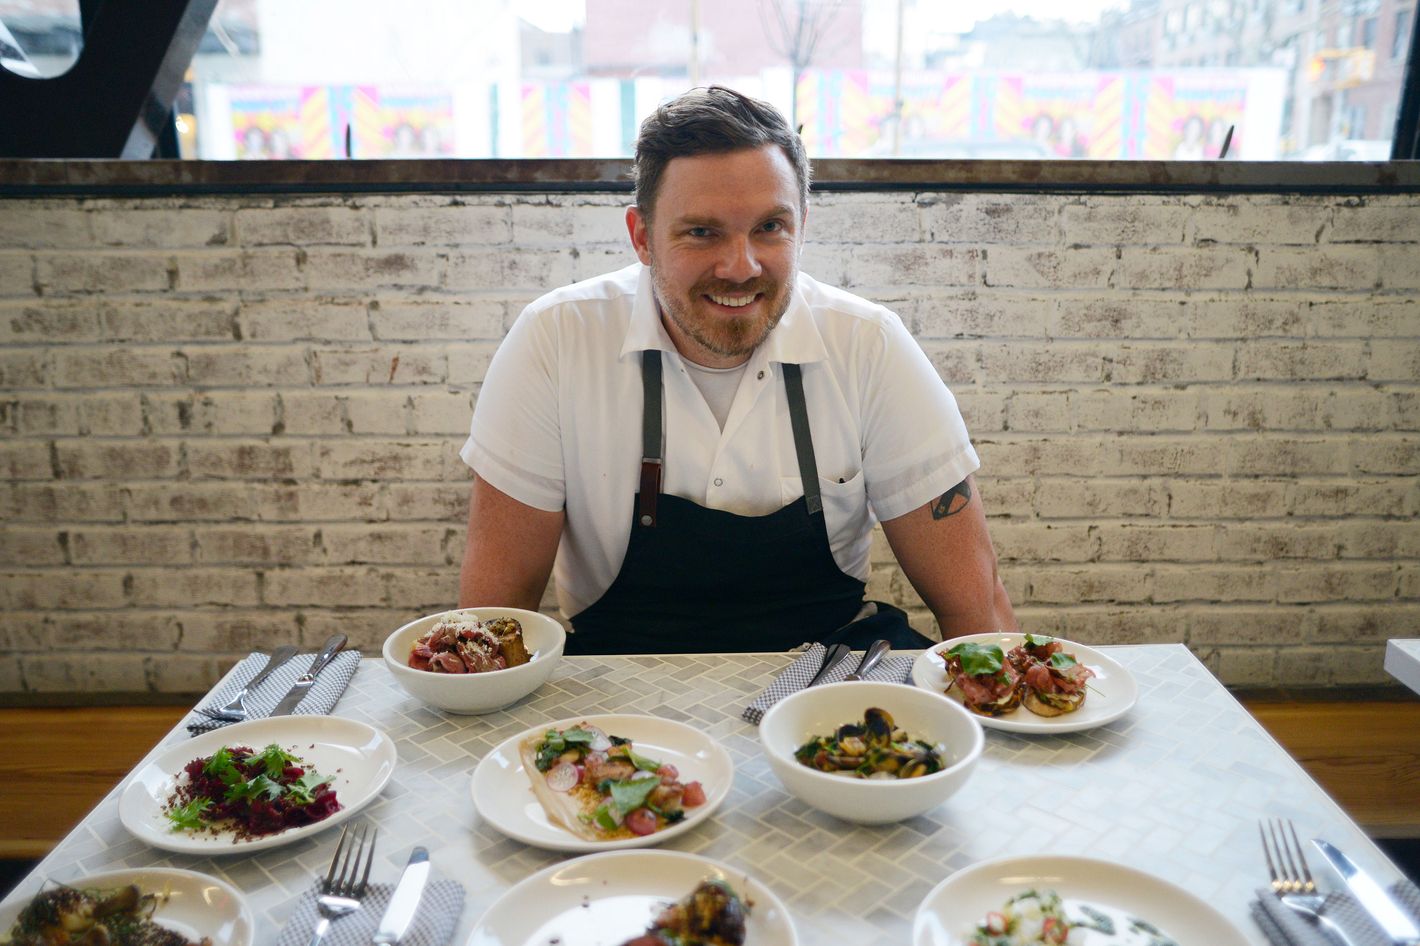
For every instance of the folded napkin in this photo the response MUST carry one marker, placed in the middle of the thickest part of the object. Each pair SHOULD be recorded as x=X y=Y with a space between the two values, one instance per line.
x=320 y=699
x=895 y=668
x=1283 y=926
x=439 y=910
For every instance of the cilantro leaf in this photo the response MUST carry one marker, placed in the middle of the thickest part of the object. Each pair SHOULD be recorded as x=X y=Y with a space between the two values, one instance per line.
x=223 y=766
x=274 y=760
x=303 y=790
x=189 y=816
x=256 y=788
x=977 y=659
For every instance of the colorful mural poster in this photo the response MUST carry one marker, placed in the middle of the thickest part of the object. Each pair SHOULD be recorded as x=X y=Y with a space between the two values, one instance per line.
x=267 y=123
x=1188 y=116
x=413 y=123
x=557 y=120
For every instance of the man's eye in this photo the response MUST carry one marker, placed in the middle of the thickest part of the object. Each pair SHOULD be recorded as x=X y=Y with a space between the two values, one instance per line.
x=699 y=232
x=773 y=226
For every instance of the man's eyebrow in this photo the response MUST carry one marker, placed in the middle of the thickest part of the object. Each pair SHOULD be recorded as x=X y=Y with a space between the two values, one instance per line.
x=702 y=220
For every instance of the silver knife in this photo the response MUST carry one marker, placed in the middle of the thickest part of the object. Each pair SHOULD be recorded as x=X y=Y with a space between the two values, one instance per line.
x=303 y=684
x=1378 y=903
x=404 y=901
x=874 y=654
x=831 y=658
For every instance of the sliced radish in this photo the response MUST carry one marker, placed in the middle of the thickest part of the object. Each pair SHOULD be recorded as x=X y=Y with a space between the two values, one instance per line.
x=601 y=742
x=562 y=777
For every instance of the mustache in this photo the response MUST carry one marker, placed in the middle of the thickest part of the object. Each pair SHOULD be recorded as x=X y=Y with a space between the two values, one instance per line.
x=718 y=287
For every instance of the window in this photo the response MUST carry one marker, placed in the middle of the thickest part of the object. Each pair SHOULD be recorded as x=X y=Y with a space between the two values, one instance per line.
x=1100 y=79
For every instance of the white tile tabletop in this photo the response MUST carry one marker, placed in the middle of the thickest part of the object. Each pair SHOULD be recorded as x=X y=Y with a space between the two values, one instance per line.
x=1175 y=788
x=1402 y=661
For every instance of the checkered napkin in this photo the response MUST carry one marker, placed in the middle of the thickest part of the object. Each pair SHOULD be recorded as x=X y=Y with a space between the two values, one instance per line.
x=320 y=699
x=1285 y=927
x=895 y=668
x=434 y=923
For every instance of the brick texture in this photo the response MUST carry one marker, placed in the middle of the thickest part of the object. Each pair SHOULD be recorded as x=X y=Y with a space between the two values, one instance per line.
x=230 y=423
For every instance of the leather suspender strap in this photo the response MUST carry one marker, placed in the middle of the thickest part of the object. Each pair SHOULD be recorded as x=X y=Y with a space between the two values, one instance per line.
x=650 y=437
x=803 y=443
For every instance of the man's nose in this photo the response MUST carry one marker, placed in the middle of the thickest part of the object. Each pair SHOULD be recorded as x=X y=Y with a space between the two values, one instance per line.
x=739 y=262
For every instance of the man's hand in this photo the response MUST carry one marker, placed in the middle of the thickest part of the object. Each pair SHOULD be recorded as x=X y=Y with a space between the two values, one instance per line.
x=511 y=547
x=945 y=551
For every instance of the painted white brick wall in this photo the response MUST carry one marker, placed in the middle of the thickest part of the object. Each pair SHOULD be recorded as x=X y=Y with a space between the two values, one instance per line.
x=232 y=422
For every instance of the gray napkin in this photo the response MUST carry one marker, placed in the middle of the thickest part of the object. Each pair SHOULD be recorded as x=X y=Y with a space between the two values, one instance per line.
x=895 y=668
x=1284 y=926
x=320 y=700
x=439 y=910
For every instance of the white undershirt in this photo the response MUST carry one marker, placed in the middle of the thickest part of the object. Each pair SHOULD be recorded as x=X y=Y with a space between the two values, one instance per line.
x=718 y=385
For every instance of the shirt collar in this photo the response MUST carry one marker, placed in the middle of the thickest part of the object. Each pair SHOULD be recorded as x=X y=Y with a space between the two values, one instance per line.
x=795 y=340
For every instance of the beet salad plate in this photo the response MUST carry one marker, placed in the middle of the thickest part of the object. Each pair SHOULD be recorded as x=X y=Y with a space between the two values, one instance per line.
x=157 y=807
x=1111 y=693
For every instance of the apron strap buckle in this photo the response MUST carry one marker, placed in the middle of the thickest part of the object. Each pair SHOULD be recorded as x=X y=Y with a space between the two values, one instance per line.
x=650 y=489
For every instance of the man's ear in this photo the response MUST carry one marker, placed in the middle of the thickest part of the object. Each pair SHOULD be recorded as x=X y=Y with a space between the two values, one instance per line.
x=638 y=227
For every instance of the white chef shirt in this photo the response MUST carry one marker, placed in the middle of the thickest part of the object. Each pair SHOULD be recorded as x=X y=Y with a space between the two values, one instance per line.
x=558 y=422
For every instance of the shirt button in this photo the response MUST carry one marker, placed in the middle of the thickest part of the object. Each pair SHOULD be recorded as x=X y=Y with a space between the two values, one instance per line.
x=719 y=482
x=760 y=376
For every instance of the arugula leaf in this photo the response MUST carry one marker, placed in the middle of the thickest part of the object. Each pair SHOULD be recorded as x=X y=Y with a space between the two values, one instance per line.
x=978 y=658
x=641 y=762
x=630 y=794
x=1062 y=661
x=190 y=815
x=1038 y=640
x=555 y=743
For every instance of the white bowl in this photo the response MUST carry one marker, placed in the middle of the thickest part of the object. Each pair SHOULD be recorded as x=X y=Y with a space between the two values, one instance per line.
x=820 y=710
x=474 y=693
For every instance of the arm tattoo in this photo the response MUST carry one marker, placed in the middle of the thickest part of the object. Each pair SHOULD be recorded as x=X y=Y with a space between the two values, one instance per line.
x=952 y=501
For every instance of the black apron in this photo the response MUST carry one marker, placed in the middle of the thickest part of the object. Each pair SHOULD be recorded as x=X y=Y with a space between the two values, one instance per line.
x=698 y=580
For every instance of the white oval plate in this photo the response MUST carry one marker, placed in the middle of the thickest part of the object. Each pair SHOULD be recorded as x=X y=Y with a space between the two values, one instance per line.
x=195 y=905
x=359 y=756
x=952 y=909
x=604 y=899
x=1112 y=689
x=504 y=796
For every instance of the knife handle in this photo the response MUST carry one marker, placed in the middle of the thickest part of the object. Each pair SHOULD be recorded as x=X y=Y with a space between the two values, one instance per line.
x=327 y=654
x=831 y=658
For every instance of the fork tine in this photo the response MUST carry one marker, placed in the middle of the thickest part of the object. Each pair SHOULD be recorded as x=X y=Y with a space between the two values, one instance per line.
x=351 y=868
x=1305 y=882
x=1267 y=853
x=369 y=861
x=329 y=882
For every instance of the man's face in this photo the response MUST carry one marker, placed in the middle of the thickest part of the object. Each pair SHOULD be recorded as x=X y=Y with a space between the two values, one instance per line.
x=723 y=247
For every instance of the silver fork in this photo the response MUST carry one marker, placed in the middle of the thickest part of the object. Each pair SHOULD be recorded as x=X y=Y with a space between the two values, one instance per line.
x=236 y=710
x=1291 y=879
x=344 y=887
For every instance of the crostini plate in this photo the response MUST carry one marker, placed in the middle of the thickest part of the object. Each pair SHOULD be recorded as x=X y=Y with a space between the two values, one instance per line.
x=1112 y=690
x=948 y=914
x=504 y=796
x=612 y=897
x=359 y=757
x=189 y=903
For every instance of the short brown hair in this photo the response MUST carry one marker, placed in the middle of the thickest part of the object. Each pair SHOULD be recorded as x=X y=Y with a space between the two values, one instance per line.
x=711 y=120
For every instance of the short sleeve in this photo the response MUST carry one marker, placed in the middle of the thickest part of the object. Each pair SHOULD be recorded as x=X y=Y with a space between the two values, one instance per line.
x=916 y=445
x=515 y=441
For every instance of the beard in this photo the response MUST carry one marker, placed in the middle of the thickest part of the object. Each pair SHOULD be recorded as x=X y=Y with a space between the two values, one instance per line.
x=728 y=336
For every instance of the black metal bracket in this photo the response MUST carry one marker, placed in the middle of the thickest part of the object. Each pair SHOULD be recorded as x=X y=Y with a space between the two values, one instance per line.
x=118 y=96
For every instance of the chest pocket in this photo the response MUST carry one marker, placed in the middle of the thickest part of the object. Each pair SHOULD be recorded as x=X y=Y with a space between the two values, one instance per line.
x=845 y=507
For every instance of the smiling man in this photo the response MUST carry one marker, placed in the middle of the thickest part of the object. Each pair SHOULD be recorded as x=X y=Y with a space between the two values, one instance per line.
x=700 y=444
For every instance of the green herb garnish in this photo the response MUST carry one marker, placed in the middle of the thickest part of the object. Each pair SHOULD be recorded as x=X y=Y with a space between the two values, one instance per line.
x=978 y=658
x=190 y=815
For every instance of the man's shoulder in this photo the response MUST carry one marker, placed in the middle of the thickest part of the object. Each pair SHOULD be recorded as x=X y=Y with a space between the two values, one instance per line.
x=837 y=310
x=612 y=290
